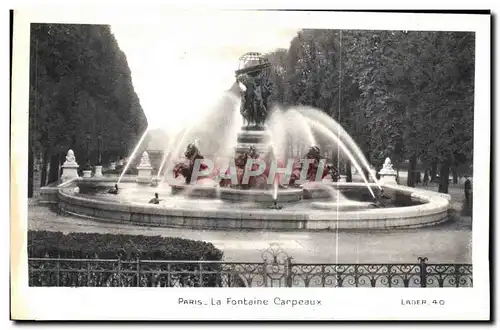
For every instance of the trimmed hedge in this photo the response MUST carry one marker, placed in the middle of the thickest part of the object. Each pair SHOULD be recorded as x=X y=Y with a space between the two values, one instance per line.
x=128 y=270
x=49 y=244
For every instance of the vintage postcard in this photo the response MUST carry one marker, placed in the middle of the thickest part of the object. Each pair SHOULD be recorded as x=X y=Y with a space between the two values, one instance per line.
x=249 y=165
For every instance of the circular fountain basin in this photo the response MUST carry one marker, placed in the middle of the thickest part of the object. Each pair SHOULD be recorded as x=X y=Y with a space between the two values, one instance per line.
x=99 y=183
x=341 y=205
x=260 y=196
x=195 y=191
x=411 y=208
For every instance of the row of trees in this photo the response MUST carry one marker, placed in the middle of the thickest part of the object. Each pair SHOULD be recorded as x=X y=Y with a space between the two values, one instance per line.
x=81 y=97
x=408 y=95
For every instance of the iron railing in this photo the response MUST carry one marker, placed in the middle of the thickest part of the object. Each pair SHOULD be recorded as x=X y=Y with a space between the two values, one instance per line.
x=275 y=270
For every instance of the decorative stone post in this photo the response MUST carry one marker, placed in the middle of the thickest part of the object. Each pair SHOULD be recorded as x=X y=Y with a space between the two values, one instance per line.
x=70 y=167
x=87 y=173
x=112 y=166
x=387 y=173
x=144 y=169
x=98 y=171
x=120 y=162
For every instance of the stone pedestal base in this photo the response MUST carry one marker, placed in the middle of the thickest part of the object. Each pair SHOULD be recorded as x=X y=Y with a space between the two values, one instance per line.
x=98 y=171
x=87 y=174
x=112 y=166
x=260 y=196
x=387 y=177
x=69 y=172
x=120 y=162
x=144 y=174
x=258 y=138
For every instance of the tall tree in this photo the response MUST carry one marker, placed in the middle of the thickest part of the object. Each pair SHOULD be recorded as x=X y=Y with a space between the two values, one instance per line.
x=81 y=95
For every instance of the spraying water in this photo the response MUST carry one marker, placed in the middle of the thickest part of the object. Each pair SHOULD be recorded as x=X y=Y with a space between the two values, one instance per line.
x=334 y=194
x=166 y=153
x=337 y=129
x=324 y=130
x=275 y=190
x=298 y=122
x=221 y=122
x=231 y=128
x=132 y=156
x=276 y=127
x=287 y=125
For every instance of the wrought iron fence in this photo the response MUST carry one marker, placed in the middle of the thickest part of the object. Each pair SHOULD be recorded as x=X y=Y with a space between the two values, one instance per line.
x=275 y=270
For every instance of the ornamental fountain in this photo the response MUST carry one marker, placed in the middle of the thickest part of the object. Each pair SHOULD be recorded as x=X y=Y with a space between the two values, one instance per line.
x=252 y=176
x=247 y=182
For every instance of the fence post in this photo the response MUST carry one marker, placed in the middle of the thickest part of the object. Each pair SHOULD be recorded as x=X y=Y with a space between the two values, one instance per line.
x=264 y=273
x=88 y=272
x=201 y=274
x=169 y=283
x=58 y=273
x=423 y=271
x=138 y=272
x=288 y=272
x=119 y=272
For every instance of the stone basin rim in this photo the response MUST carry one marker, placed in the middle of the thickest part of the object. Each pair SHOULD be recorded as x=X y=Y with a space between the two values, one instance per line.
x=435 y=204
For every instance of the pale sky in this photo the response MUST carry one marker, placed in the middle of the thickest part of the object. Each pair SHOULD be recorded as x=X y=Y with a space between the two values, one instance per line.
x=181 y=65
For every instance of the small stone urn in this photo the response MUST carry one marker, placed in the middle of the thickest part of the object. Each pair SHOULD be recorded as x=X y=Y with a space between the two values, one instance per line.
x=144 y=169
x=112 y=166
x=120 y=162
x=387 y=173
x=87 y=173
x=70 y=167
x=98 y=171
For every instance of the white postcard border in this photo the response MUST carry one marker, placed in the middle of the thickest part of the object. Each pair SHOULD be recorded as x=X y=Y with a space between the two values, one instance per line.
x=339 y=304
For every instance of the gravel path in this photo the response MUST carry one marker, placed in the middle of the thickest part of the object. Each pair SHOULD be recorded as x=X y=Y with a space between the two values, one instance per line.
x=448 y=242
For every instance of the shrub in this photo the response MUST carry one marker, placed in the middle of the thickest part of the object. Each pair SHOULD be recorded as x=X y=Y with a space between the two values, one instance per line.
x=124 y=267
x=109 y=246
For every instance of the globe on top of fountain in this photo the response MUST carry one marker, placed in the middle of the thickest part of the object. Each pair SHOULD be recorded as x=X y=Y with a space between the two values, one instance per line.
x=251 y=62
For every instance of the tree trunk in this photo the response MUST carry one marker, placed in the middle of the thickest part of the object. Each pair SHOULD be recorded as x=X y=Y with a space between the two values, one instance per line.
x=410 y=182
x=444 y=175
x=54 y=168
x=348 y=171
x=365 y=171
x=434 y=170
x=31 y=167
x=59 y=173
x=43 y=179
x=455 y=175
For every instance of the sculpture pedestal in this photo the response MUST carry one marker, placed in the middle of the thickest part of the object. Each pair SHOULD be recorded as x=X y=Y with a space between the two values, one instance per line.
x=112 y=166
x=69 y=172
x=144 y=174
x=257 y=137
x=87 y=174
x=98 y=171
x=387 y=176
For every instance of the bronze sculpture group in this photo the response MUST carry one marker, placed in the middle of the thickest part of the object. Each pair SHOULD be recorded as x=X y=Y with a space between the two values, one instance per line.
x=255 y=91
